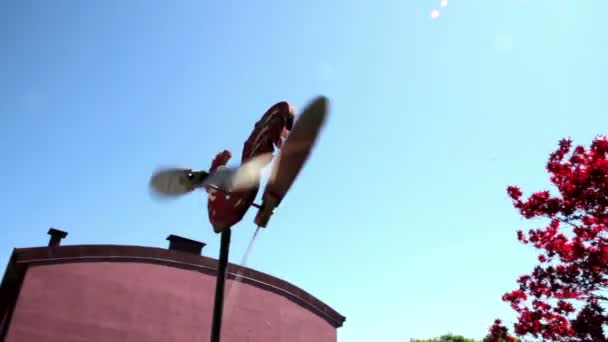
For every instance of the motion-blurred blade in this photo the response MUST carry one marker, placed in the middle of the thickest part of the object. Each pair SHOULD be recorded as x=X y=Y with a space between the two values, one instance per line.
x=249 y=174
x=165 y=182
x=297 y=147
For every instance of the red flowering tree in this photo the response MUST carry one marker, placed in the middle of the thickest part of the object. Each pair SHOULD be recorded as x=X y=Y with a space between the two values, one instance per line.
x=498 y=333
x=563 y=298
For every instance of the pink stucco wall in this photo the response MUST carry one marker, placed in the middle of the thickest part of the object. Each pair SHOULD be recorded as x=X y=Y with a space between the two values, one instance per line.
x=120 y=301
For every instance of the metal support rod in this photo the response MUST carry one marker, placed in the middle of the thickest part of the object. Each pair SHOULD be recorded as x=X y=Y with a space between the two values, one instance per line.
x=218 y=306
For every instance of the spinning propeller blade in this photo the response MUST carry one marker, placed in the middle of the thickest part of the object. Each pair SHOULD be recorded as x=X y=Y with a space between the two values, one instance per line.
x=173 y=181
x=248 y=175
x=165 y=182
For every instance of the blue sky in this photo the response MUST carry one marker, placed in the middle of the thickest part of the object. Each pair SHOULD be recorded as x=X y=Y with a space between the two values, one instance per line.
x=400 y=221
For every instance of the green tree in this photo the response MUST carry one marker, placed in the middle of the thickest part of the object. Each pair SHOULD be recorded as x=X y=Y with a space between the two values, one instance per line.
x=489 y=338
x=445 y=338
x=458 y=338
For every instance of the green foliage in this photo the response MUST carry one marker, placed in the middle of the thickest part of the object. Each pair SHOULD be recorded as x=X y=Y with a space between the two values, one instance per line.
x=445 y=338
x=454 y=338
x=489 y=339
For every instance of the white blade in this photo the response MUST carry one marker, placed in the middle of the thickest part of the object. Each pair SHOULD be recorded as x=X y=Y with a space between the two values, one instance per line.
x=245 y=177
x=249 y=174
x=165 y=182
x=221 y=178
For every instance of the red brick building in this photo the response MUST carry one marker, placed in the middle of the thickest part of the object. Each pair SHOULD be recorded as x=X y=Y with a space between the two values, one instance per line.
x=111 y=293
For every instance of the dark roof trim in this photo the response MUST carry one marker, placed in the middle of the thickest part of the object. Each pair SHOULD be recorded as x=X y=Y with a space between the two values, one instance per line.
x=9 y=291
x=24 y=257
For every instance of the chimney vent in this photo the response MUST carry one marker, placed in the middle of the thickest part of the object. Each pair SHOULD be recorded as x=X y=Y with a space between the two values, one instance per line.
x=178 y=243
x=56 y=236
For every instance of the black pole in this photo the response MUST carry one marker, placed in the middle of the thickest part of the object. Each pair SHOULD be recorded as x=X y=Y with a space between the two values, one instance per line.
x=218 y=306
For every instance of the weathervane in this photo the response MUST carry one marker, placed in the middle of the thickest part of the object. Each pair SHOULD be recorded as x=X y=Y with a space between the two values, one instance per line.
x=232 y=190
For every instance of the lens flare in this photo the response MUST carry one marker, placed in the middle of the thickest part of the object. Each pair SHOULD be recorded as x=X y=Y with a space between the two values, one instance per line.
x=444 y=3
x=434 y=14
